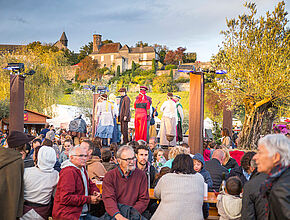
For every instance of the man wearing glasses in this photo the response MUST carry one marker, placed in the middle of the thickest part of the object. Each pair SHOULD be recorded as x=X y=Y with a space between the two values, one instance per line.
x=74 y=189
x=125 y=185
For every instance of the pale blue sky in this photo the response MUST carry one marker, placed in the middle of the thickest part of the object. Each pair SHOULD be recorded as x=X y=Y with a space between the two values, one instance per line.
x=194 y=24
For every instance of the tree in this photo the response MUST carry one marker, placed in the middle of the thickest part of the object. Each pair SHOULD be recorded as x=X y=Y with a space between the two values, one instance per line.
x=175 y=57
x=189 y=57
x=118 y=71
x=161 y=51
x=88 y=69
x=85 y=50
x=256 y=55
x=133 y=68
x=141 y=44
x=170 y=57
x=154 y=65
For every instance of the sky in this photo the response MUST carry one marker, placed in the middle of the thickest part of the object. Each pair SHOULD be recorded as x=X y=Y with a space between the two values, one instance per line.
x=194 y=24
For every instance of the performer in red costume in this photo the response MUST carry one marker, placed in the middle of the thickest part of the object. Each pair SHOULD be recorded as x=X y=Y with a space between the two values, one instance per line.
x=142 y=110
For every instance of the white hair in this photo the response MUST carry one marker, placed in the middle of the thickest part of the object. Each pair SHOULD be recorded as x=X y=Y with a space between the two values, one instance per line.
x=124 y=148
x=277 y=143
x=73 y=150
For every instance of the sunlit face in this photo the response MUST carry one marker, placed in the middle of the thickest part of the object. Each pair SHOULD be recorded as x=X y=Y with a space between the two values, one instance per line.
x=160 y=154
x=127 y=161
x=80 y=157
x=197 y=165
x=35 y=144
x=67 y=146
x=152 y=144
x=87 y=147
x=142 y=156
x=264 y=161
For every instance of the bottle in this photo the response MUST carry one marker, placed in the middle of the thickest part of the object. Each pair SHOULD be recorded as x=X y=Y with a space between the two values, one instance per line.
x=223 y=185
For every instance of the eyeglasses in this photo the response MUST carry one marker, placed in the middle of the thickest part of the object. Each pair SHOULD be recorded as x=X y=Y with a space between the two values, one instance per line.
x=81 y=155
x=128 y=159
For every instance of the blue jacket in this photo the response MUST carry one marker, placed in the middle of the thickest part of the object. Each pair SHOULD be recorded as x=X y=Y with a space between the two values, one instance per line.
x=203 y=172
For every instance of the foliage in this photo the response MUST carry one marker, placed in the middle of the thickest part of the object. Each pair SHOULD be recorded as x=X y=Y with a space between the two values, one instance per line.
x=170 y=66
x=161 y=51
x=133 y=68
x=154 y=65
x=68 y=90
x=88 y=69
x=72 y=57
x=84 y=100
x=163 y=84
x=118 y=71
x=182 y=80
x=175 y=57
x=189 y=57
x=4 y=108
x=85 y=50
x=141 y=44
x=256 y=55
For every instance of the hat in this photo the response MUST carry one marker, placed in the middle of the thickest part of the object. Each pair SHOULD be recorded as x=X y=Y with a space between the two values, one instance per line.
x=143 y=88
x=50 y=135
x=104 y=96
x=170 y=94
x=177 y=96
x=46 y=159
x=18 y=138
x=122 y=90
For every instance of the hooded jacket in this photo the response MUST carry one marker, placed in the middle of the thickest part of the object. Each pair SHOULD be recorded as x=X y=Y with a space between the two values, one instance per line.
x=229 y=207
x=11 y=184
x=203 y=172
x=95 y=168
x=70 y=192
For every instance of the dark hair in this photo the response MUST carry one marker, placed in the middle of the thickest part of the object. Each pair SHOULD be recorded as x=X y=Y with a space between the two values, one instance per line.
x=133 y=144
x=114 y=148
x=141 y=147
x=234 y=186
x=68 y=140
x=246 y=160
x=36 y=140
x=97 y=141
x=185 y=145
x=225 y=132
x=182 y=164
x=212 y=144
x=47 y=142
x=106 y=155
x=36 y=150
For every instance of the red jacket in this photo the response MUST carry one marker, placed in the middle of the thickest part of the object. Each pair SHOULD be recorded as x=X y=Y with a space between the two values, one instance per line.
x=70 y=194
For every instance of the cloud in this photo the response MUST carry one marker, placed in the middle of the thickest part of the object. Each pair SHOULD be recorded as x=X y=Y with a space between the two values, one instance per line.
x=20 y=20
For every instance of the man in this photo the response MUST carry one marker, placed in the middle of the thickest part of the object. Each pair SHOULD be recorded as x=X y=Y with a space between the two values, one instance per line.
x=90 y=148
x=216 y=170
x=124 y=114
x=273 y=158
x=11 y=175
x=45 y=130
x=142 y=112
x=168 y=121
x=35 y=143
x=152 y=147
x=125 y=185
x=143 y=164
x=180 y=118
x=74 y=189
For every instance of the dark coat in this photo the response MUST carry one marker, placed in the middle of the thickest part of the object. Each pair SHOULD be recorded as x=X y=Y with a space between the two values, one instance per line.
x=231 y=164
x=124 y=109
x=279 y=197
x=204 y=172
x=11 y=184
x=239 y=173
x=253 y=203
x=216 y=171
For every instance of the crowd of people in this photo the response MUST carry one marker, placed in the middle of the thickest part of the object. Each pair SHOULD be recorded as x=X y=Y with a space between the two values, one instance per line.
x=52 y=175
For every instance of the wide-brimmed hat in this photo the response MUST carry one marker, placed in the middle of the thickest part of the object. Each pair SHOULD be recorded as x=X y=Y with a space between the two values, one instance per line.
x=177 y=96
x=143 y=88
x=122 y=90
x=170 y=94
x=18 y=138
x=104 y=96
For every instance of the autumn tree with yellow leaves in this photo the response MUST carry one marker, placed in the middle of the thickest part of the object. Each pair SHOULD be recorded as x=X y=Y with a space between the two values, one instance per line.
x=256 y=55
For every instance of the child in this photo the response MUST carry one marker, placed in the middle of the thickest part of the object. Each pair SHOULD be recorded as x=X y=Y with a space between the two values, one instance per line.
x=229 y=203
x=65 y=154
x=198 y=163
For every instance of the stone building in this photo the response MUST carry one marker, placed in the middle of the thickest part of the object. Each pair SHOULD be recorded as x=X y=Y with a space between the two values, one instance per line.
x=113 y=55
x=62 y=43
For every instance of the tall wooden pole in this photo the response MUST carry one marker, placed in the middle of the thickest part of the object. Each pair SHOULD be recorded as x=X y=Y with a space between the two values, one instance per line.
x=196 y=109
x=227 y=119
x=95 y=101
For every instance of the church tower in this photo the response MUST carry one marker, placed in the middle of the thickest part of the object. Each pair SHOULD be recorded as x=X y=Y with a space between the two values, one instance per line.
x=63 y=39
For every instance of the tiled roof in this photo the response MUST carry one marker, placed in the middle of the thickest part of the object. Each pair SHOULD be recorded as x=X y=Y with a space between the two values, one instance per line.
x=10 y=48
x=109 y=48
x=63 y=36
x=141 y=49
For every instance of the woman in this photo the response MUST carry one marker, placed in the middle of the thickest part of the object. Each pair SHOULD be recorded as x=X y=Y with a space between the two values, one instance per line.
x=229 y=162
x=159 y=159
x=39 y=184
x=273 y=158
x=174 y=151
x=226 y=139
x=181 y=192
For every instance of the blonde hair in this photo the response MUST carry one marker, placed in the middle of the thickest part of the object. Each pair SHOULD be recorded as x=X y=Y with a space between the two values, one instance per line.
x=175 y=151
x=156 y=153
x=227 y=155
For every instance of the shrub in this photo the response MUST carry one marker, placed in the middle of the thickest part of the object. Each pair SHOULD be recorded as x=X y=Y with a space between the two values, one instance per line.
x=163 y=84
x=182 y=80
x=170 y=66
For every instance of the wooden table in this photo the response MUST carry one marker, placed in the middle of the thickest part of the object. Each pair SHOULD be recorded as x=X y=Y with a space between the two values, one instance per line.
x=211 y=197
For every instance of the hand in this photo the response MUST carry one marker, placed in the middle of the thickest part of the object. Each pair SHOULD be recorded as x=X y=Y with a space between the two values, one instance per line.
x=125 y=118
x=95 y=199
x=120 y=217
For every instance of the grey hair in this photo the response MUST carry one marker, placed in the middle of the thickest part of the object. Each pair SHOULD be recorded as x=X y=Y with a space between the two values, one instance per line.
x=253 y=163
x=124 y=148
x=141 y=142
x=277 y=143
x=73 y=150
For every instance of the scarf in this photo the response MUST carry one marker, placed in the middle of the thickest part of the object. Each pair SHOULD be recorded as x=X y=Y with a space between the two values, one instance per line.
x=275 y=173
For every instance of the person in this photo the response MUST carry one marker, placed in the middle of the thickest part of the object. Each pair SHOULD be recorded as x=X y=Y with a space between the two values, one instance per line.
x=45 y=130
x=198 y=163
x=142 y=110
x=229 y=202
x=159 y=159
x=245 y=170
x=273 y=158
x=125 y=185
x=216 y=170
x=168 y=121
x=36 y=142
x=143 y=164
x=172 y=154
x=253 y=204
x=105 y=123
x=152 y=128
x=107 y=159
x=180 y=118
x=116 y=136
x=229 y=162
x=11 y=172
x=95 y=168
x=152 y=145
x=39 y=184
x=74 y=190
x=65 y=154
x=181 y=192
x=206 y=151
x=124 y=114
x=226 y=139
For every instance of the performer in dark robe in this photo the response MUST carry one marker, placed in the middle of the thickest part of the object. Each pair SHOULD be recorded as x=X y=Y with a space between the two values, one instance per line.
x=124 y=114
x=142 y=110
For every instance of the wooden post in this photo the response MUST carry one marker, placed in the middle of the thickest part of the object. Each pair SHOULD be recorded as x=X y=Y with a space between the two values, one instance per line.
x=196 y=106
x=95 y=101
x=227 y=119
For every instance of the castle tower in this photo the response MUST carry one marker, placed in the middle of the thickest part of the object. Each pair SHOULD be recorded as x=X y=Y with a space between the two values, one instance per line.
x=63 y=39
x=97 y=42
